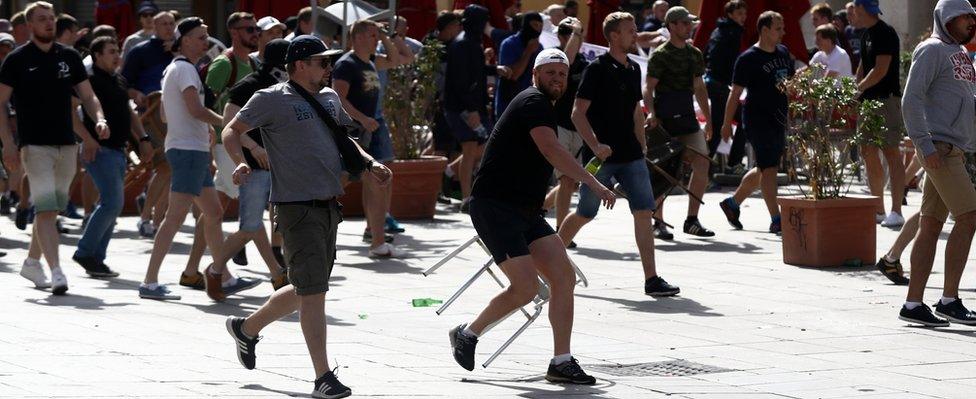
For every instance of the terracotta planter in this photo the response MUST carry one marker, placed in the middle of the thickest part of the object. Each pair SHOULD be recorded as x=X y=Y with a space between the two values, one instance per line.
x=828 y=233
x=416 y=183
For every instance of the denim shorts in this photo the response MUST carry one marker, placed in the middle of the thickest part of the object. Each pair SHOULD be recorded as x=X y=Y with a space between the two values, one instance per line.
x=253 y=200
x=191 y=171
x=381 y=145
x=634 y=179
x=462 y=132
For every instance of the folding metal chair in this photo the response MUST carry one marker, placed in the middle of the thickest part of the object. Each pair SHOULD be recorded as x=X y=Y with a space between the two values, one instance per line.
x=539 y=301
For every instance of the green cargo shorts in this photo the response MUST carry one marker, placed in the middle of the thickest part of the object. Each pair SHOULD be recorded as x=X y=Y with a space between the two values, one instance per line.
x=309 y=244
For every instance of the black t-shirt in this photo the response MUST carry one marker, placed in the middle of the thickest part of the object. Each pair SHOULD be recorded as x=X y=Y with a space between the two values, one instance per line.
x=110 y=89
x=239 y=94
x=364 y=82
x=513 y=170
x=614 y=91
x=761 y=72
x=564 y=106
x=881 y=39
x=43 y=83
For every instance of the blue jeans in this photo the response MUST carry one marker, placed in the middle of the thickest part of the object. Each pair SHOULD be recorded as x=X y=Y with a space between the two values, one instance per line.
x=253 y=199
x=634 y=179
x=108 y=172
x=381 y=145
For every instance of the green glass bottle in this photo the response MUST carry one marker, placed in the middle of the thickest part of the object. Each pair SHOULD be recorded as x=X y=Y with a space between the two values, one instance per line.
x=594 y=165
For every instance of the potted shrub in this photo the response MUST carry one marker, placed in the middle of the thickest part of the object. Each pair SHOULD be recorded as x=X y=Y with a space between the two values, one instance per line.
x=825 y=226
x=408 y=108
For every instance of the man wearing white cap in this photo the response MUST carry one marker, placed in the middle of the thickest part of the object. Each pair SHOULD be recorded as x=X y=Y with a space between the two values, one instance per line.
x=271 y=28
x=507 y=214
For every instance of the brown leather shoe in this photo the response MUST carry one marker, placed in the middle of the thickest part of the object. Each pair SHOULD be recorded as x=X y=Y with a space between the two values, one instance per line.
x=195 y=281
x=214 y=288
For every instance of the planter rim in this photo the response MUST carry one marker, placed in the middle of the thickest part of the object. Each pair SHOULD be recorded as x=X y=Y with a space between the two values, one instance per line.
x=842 y=202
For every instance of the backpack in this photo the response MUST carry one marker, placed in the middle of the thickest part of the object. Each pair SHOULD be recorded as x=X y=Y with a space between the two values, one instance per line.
x=231 y=79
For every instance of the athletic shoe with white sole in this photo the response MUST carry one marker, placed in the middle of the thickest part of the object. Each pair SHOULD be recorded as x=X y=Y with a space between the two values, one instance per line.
x=893 y=220
x=921 y=314
x=59 y=283
x=245 y=345
x=386 y=250
x=34 y=271
x=955 y=312
x=328 y=387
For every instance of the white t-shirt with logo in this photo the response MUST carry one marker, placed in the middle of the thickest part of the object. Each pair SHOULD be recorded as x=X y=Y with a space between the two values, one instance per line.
x=837 y=61
x=184 y=131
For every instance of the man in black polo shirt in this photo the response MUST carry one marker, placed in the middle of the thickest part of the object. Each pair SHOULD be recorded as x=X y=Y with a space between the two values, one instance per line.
x=608 y=116
x=105 y=160
x=508 y=216
x=879 y=79
x=42 y=76
x=255 y=191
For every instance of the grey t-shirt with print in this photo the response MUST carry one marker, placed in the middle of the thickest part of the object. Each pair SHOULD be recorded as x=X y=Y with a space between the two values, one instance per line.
x=305 y=162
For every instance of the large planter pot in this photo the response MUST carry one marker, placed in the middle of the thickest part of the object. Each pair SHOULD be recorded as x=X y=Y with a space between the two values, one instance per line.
x=416 y=183
x=830 y=232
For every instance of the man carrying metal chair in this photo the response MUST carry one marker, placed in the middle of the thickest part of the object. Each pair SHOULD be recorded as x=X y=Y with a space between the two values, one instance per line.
x=507 y=214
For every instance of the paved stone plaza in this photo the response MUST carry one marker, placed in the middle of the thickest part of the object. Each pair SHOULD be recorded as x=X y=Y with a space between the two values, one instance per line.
x=772 y=330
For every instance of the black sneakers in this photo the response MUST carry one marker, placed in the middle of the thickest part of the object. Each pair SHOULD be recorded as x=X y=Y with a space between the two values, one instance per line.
x=922 y=315
x=245 y=345
x=694 y=227
x=328 y=386
x=661 y=231
x=568 y=372
x=892 y=270
x=240 y=258
x=955 y=312
x=94 y=268
x=656 y=286
x=731 y=210
x=463 y=347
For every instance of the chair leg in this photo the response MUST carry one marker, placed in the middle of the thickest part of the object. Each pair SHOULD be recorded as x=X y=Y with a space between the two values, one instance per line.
x=451 y=255
x=538 y=311
x=466 y=285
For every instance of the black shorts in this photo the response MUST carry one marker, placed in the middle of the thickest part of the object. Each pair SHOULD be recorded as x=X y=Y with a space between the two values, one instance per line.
x=506 y=230
x=769 y=143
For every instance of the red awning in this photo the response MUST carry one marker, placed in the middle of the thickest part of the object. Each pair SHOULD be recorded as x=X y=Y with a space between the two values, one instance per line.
x=792 y=11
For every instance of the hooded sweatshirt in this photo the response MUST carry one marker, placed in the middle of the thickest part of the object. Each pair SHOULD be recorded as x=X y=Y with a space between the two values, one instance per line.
x=938 y=104
x=509 y=54
x=724 y=46
x=466 y=80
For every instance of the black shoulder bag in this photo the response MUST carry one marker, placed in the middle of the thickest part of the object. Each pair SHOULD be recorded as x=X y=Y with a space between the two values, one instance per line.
x=352 y=159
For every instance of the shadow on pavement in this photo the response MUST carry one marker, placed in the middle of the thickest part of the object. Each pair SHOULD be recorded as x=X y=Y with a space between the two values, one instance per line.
x=76 y=301
x=262 y=388
x=707 y=246
x=519 y=384
x=385 y=266
x=604 y=254
x=670 y=305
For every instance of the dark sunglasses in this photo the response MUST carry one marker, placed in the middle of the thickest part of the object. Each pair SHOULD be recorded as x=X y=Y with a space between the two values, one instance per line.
x=248 y=29
x=324 y=62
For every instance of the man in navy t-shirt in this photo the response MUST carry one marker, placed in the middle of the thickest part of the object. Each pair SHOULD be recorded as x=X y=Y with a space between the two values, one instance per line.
x=516 y=52
x=760 y=69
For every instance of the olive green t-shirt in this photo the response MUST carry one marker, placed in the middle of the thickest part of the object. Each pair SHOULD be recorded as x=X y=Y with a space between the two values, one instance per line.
x=675 y=68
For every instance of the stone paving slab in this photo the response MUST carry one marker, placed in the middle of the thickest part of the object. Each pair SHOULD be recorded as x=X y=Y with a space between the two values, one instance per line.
x=781 y=331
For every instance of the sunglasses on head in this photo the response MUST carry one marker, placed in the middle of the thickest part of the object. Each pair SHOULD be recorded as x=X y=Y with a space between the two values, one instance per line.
x=248 y=29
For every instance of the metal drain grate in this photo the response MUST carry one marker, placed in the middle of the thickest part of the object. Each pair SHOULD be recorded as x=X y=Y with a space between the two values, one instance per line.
x=673 y=368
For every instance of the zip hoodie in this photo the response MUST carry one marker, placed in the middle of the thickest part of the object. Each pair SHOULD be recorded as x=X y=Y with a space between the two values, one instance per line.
x=465 y=76
x=938 y=104
x=723 y=48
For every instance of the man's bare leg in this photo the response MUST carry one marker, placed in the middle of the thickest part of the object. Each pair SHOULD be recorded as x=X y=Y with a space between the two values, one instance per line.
x=311 y=313
x=872 y=164
x=471 y=154
x=644 y=235
x=179 y=206
x=922 y=256
x=896 y=176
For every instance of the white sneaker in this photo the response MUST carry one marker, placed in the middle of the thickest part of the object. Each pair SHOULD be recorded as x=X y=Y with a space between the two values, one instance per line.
x=893 y=220
x=34 y=271
x=879 y=217
x=59 y=283
x=386 y=250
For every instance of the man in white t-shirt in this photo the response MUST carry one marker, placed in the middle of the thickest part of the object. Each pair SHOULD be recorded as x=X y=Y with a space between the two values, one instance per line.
x=835 y=60
x=188 y=140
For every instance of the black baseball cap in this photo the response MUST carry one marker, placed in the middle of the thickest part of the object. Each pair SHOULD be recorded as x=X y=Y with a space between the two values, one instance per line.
x=307 y=46
x=183 y=27
x=275 y=52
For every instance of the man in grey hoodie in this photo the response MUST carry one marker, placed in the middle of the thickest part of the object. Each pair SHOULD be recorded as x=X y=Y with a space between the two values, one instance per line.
x=940 y=116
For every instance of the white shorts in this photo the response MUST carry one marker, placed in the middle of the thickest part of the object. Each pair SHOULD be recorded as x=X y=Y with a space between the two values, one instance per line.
x=224 y=178
x=572 y=142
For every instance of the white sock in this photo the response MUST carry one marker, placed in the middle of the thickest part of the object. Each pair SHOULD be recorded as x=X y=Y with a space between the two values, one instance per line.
x=231 y=281
x=448 y=171
x=947 y=300
x=560 y=359
x=890 y=259
x=912 y=305
x=467 y=331
x=150 y=286
x=32 y=262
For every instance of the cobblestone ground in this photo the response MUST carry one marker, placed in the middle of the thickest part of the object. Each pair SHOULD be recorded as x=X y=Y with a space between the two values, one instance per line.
x=762 y=328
